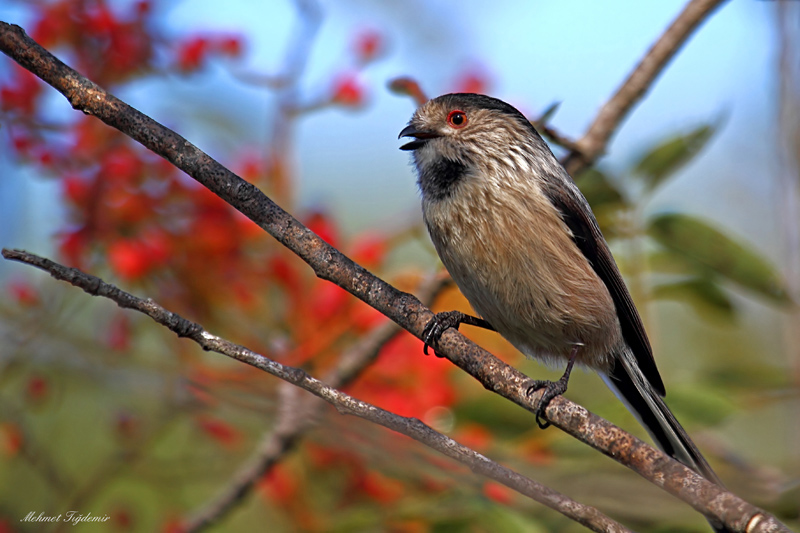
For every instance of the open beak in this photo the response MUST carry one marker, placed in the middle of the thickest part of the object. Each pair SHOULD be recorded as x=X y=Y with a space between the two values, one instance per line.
x=420 y=137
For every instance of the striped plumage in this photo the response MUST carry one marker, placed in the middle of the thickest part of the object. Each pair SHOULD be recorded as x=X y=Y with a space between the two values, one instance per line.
x=522 y=244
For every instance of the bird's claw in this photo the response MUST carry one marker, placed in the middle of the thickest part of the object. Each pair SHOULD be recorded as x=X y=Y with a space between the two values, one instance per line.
x=440 y=323
x=551 y=390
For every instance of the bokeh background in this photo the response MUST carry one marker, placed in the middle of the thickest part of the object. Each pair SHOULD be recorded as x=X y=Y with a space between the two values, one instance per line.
x=103 y=413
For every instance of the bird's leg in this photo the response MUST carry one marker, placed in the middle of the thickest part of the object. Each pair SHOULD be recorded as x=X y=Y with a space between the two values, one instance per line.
x=445 y=320
x=552 y=388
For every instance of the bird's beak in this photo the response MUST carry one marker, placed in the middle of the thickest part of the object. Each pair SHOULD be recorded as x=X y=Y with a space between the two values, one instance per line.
x=420 y=137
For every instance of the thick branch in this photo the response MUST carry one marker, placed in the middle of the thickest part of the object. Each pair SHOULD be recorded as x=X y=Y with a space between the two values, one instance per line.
x=330 y=264
x=345 y=404
x=593 y=143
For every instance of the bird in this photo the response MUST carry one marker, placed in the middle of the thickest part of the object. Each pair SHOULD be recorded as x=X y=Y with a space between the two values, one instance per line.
x=520 y=241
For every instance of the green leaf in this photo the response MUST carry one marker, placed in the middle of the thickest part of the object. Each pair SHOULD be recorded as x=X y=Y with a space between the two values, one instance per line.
x=663 y=160
x=701 y=405
x=747 y=375
x=668 y=262
x=701 y=292
x=598 y=189
x=548 y=114
x=494 y=413
x=718 y=253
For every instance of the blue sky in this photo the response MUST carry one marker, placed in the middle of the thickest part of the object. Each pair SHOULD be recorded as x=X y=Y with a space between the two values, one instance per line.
x=538 y=52
x=575 y=52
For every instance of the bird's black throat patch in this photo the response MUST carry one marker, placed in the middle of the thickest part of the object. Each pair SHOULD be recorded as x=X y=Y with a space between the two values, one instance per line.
x=439 y=179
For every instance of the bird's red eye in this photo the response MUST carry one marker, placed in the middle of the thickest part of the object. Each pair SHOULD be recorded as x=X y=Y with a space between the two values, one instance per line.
x=457 y=119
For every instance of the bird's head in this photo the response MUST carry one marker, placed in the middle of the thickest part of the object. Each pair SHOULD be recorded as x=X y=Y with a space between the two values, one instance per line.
x=470 y=136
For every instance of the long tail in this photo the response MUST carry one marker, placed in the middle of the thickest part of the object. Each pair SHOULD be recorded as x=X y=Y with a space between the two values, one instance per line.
x=630 y=386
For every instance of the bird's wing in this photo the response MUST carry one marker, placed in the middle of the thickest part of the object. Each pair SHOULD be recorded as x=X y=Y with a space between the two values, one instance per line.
x=577 y=215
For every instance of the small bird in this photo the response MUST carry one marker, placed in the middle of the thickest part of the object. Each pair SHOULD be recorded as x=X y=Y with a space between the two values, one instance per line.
x=522 y=244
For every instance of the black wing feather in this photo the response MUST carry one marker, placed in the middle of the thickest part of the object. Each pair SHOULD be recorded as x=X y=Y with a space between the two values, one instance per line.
x=586 y=234
x=577 y=214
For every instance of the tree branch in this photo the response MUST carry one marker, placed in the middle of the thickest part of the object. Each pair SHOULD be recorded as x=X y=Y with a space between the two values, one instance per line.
x=584 y=152
x=345 y=404
x=556 y=137
x=330 y=264
x=593 y=143
x=297 y=415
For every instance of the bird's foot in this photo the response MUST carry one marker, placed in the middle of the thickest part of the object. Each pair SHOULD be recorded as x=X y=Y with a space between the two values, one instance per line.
x=551 y=389
x=440 y=323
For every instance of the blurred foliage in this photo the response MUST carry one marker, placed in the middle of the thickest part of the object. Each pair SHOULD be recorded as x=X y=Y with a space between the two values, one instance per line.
x=712 y=251
x=665 y=159
x=102 y=412
x=598 y=190
x=691 y=249
x=547 y=114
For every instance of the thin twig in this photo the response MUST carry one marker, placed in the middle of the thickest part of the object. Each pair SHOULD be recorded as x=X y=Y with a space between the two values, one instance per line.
x=30 y=450
x=345 y=404
x=296 y=416
x=330 y=264
x=109 y=471
x=295 y=419
x=613 y=112
x=585 y=151
x=556 y=137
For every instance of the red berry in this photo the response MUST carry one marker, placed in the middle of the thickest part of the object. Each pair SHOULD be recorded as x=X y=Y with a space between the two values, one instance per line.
x=368 y=45
x=347 y=91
